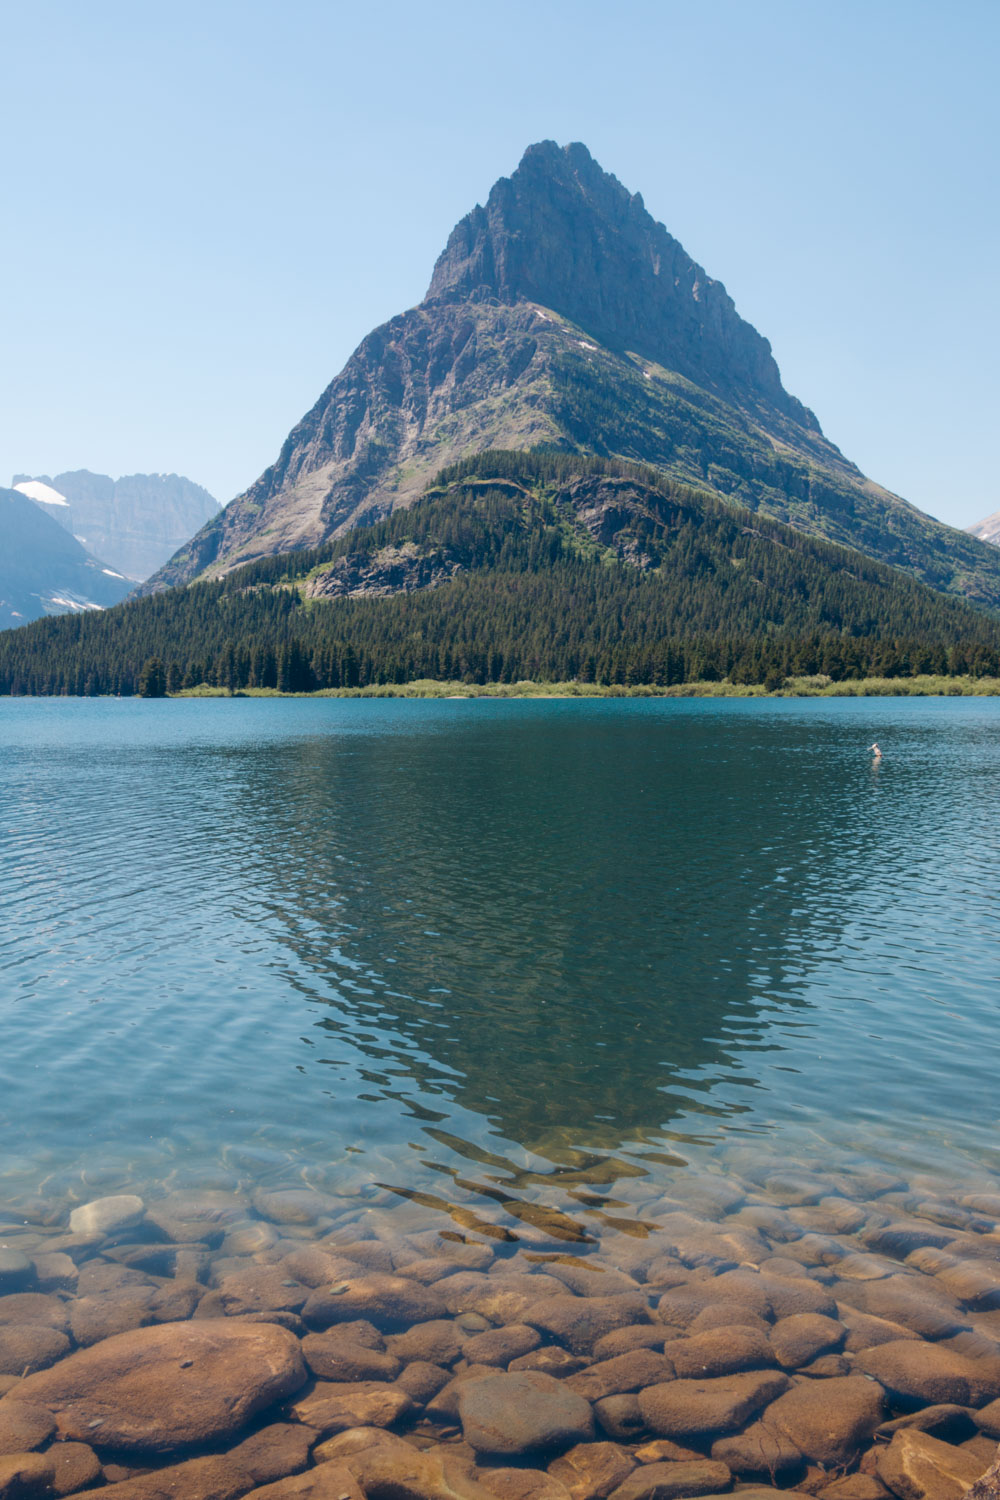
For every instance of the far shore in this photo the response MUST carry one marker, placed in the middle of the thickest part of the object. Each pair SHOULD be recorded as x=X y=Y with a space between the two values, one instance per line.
x=793 y=687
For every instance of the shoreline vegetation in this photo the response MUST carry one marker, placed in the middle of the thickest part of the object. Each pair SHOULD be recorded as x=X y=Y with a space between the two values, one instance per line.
x=818 y=686
x=544 y=567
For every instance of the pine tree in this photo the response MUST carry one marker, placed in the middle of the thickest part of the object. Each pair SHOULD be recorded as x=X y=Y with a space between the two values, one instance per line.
x=153 y=679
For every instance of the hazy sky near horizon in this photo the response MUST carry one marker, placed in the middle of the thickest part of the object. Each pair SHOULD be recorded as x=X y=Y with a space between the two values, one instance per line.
x=210 y=204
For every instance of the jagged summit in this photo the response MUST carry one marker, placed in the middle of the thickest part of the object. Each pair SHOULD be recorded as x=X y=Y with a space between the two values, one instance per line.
x=566 y=234
x=562 y=316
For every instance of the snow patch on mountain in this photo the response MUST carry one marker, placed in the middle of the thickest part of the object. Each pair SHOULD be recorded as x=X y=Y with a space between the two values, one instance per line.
x=43 y=493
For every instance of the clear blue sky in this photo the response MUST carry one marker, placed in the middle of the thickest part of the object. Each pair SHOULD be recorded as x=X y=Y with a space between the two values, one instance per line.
x=207 y=205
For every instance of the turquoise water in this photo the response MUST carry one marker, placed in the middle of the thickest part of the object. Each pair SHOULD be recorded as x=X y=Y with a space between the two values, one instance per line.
x=396 y=947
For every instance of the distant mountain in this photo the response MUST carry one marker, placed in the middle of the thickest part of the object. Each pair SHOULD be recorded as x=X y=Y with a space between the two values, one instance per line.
x=519 y=565
x=134 y=523
x=988 y=530
x=562 y=315
x=44 y=570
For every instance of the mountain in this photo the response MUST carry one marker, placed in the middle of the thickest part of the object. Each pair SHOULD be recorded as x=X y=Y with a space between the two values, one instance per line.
x=988 y=530
x=526 y=565
x=44 y=570
x=562 y=315
x=135 y=523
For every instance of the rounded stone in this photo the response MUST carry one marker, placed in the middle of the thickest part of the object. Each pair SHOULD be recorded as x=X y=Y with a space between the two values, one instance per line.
x=578 y=1322
x=341 y=1359
x=25 y=1348
x=918 y=1373
x=167 y=1388
x=829 y=1421
x=511 y=1415
x=76 y=1465
x=16 y=1270
x=803 y=1337
x=23 y=1428
x=107 y=1215
x=719 y=1351
x=523 y=1484
x=498 y=1346
x=390 y=1302
x=333 y=1407
x=34 y=1307
x=439 y=1342
x=693 y=1408
x=206 y=1215
x=674 y=1481
x=623 y=1373
x=760 y=1450
x=916 y=1466
x=590 y=1471
x=292 y=1205
x=25 y=1475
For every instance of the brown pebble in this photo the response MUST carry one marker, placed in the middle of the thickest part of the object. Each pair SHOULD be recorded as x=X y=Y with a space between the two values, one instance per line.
x=829 y=1421
x=498 y=1346
x=727 y=1315
x=75 y=1465
x=760 y=1450
x=523 y=1484
x=624 y=1373
x=25 y=1475
x=854 y=1487
x=696 y=1408
x=24 y=1428
x=334 y=1406
x=28 y=1348
x=620 y=1417
x=802 y=1338
x=550 y=1361
x=590 y=1471
x=421 y=1381
x=718 y=1351
x=439 y=1342
x=674 y=1481
x=916 y=1466
x=624 y=1340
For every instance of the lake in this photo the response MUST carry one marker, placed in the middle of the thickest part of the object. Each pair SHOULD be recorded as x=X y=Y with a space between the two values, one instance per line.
x=495 y=954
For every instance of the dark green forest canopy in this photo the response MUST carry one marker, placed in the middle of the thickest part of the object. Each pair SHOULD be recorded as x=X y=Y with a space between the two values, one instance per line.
x=546 y=566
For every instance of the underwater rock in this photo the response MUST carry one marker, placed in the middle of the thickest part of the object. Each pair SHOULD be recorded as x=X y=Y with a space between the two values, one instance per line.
x=511 y=1415
x=163 y=1389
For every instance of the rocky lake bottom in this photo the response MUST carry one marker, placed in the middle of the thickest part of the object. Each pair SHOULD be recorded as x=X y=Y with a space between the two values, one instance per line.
x=776 y=1325
x=498 y=1101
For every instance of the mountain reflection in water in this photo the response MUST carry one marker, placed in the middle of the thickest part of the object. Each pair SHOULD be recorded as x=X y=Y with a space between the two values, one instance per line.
x=435 y=946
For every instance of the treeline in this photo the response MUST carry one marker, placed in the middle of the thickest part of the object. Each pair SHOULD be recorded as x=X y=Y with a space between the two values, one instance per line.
x=661 y=586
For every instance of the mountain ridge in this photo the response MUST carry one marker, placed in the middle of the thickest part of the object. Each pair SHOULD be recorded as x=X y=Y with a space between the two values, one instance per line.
x=510 y=249
x=650 y=363
x=134 y=523
x=44 y=570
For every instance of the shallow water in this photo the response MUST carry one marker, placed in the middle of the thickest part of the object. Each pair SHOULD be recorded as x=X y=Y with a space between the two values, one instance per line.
x=392 y=947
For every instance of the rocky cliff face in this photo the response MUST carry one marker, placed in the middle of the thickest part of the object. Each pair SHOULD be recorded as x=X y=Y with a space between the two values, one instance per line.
x=134 y=523
x=565 y=234
x=44 y=570
x=562 y=315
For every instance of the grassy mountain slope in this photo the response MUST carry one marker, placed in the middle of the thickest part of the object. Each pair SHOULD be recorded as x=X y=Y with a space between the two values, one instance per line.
x=519 y=565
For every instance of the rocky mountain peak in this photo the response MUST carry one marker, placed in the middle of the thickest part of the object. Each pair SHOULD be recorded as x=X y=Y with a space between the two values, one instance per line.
x=562 y=232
